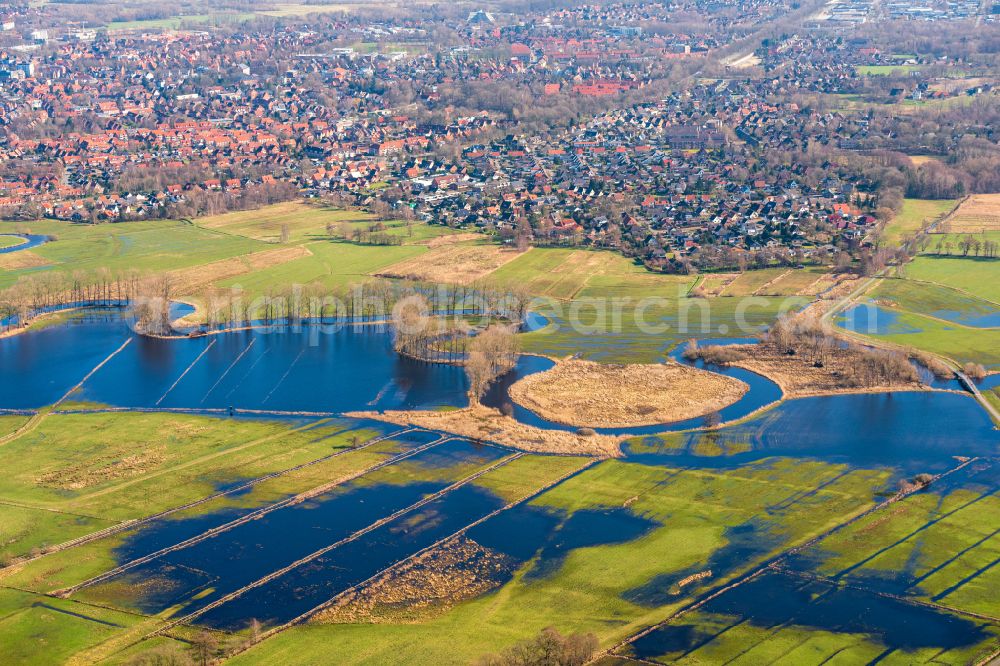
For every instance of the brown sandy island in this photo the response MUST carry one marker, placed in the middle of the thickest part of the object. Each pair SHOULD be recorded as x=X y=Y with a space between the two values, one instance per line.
x=598 y=395
x=480 y=422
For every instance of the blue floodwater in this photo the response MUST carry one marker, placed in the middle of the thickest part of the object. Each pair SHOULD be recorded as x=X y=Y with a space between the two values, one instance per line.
x=915 y=431
x=30 y=241
x=871 y=319
x=311 y=584
x=312 y=369
x=170 y=530
x=246 y=552
x=976 y=319
x=777 y=601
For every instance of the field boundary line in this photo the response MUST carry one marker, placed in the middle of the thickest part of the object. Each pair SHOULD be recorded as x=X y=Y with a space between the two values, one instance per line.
x=186 y=370
x=90 y=374
x=437 y=544
x=348 y=539
x=756 y=292
x=26 y=427
x=253 y=515
x=774 y=563
x=136 y=522
x=805 y=575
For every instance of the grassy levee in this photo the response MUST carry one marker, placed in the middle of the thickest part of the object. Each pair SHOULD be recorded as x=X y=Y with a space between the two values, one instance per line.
x=75 y=473
x=609 y=585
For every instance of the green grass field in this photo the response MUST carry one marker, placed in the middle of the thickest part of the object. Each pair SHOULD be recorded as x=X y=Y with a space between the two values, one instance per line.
x=178 y=22
x=934 y=291
x=919 y=546
x=886 y=70
x=914 y=216
x=73 y=473
x=305 y=222
x=10 y=241
x=332 y=264
x=931 y=299
x=144 y=246
x=610 y=589
x=976 y=276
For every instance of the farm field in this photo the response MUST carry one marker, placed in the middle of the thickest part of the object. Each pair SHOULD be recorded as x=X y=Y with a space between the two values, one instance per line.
x=564 y=273
x=978 y=213
x=178 y=22
x=885 y=70
x=143 y=246
x=972 y=275
x=330 y=264
x=454 y=263
x=914 y=216
x=99 y=469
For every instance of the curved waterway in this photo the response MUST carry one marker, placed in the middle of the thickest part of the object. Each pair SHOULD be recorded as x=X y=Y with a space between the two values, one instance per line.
x=30 y=241
x=762 y=392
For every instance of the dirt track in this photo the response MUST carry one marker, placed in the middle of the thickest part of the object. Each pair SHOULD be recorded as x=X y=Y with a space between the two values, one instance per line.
x=488 y=424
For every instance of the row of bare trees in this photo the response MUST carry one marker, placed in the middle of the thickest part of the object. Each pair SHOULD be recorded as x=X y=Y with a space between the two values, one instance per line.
x=374 y=300
x=148 y=296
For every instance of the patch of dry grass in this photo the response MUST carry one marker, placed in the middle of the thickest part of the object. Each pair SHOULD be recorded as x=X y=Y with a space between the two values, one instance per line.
x=597 y=395
x=980 y=212
x=478 y=422
x=196 y=278
x=13 y=261
x=452 y=263
x=424 y=587
x=715 y=283
x=100 y=470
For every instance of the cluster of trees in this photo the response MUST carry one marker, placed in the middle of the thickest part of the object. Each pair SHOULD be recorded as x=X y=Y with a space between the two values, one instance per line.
x=811 y=339
x=492 y=353
x=147 y=296
x=429 y=338
x=197 y=202
x=549 y=648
